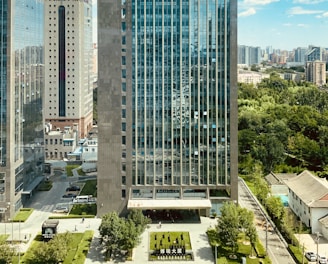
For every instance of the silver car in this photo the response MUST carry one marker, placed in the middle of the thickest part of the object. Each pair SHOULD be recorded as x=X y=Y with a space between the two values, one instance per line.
x=322 y=260
x=311 y=256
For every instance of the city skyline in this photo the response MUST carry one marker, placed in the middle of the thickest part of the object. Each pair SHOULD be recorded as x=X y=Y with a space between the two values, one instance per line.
x=282 y=24
x=295 y=19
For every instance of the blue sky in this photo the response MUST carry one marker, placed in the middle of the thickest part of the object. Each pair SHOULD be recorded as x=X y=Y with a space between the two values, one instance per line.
x=283 y=24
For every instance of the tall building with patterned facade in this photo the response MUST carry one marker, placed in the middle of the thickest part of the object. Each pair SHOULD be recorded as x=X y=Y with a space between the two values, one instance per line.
x=167 y=104
x=68 y=64
x=21 y=90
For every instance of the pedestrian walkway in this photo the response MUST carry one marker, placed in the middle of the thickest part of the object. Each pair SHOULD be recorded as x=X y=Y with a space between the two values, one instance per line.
x=200 y=247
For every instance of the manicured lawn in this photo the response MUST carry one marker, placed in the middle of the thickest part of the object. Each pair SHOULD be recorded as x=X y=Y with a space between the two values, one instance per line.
x=78 y=248
x=90 y=188
x=170 y=245
x=167 y=239
x=244 y=250
x=69 y=169
x=84 y=209
x=23 y=214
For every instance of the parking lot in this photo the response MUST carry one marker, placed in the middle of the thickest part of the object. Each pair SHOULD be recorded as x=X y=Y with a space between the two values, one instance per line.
x=310 y=244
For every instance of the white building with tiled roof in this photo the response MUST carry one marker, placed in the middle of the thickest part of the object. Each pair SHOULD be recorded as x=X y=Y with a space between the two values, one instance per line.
x=308 y=198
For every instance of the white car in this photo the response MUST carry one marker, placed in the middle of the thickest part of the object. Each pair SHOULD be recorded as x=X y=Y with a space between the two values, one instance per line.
x=322 y=260
x=311 y=256
x=61 y=210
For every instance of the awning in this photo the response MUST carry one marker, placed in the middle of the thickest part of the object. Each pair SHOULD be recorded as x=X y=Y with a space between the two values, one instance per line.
x=33 y=185
x=169 y=204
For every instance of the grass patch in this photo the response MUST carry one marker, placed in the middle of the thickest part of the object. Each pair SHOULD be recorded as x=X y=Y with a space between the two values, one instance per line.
x=77 y=251
x=70 y=168
x=83 y=248
x=81 y=172
x=23 y=214
x=167 y=239
x=45 y=186
x=90 y=188
x=244 y=250
x=297 y=252
x=84 y=209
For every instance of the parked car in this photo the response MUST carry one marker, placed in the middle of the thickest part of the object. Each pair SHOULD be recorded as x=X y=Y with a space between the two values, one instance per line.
x=311 y=256
x=322 y=260
x=73 y=188
x=69 y=195
x=61 y=210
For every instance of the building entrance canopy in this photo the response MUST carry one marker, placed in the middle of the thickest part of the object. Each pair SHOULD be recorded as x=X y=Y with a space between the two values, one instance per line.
x=163 y=204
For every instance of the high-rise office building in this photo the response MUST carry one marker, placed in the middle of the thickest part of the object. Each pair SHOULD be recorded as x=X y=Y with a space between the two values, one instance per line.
x=68 y=64
x=249 y=55
x=21 y=89
x=300 y=54
x=314 y=53
x=167 y=104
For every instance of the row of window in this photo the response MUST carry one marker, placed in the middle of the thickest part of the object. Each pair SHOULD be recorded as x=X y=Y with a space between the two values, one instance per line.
x=53 y=141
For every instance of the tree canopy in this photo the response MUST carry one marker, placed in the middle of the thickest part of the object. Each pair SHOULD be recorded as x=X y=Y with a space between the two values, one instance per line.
x=121 y=234
x=232 y=221
x=283 y=126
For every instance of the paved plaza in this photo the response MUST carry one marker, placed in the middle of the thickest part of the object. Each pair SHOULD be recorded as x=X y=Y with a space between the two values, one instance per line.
x=199 y=243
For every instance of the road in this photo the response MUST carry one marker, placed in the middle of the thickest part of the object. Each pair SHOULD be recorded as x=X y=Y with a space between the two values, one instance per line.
x=276 y=246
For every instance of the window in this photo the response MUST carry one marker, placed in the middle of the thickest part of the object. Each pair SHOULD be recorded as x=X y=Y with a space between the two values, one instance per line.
x=123 y=193
x=123 y=86
x=123 y=24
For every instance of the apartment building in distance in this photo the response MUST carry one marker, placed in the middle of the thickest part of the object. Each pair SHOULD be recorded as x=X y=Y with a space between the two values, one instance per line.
x=167 y=105
x=249 y=55
x=59 y=144
x=21 y=89
x=315 y=72
x=69 y=55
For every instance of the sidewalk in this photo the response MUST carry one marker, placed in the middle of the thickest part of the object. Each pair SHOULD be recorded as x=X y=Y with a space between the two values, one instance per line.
x=199 y=242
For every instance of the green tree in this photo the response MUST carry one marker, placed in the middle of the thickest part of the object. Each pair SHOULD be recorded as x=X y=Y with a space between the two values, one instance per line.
x=53 y=251
x=131 y=235
x=6 y=253
x=251 y=233
x=139 y=219
x=111 y=231
x=262 y=189
x=119 y=234
x=228 y=226
x=275 y=207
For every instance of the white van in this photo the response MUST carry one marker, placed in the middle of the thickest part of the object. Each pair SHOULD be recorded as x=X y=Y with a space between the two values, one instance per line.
x=82 y=199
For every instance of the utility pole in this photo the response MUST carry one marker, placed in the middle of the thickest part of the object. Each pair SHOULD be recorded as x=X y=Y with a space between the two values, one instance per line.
x=317 y=240
x=266 y=236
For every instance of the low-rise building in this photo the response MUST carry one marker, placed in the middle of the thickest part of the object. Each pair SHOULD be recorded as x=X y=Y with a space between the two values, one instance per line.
x=60 y=143
x=308 y=199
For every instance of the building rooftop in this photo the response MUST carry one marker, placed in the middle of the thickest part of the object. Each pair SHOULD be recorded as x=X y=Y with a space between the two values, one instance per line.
x=279 y=178
x=311 y=189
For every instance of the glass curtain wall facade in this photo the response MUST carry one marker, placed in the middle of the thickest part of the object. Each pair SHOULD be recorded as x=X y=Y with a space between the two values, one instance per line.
x=178 y=87
x=21 y=121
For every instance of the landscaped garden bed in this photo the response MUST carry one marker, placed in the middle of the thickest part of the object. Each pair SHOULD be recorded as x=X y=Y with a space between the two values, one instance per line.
x=170 y=246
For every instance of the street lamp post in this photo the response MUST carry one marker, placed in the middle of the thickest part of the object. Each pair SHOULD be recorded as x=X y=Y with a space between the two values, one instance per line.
x=266 y=236
x=317 y=240
x=12 y=230
x=215 y=252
